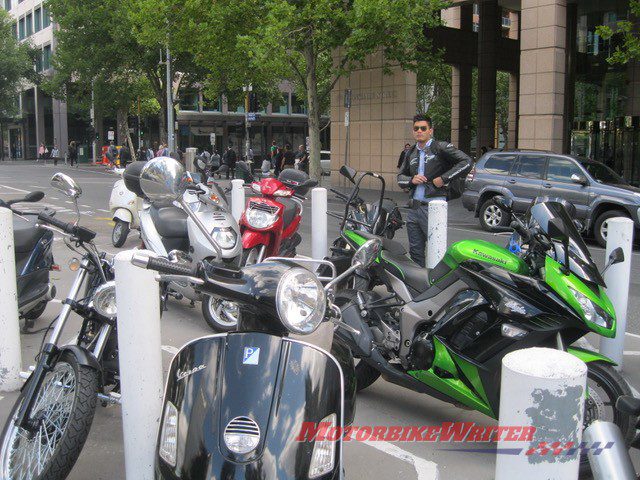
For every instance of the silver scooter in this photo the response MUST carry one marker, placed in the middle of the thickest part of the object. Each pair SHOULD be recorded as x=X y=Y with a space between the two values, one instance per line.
x=197 y=227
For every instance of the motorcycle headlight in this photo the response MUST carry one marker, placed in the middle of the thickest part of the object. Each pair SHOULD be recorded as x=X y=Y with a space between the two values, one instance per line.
x=301 y=301
x=104 y=300
x=169 y=435
x=259 y=218
x=592 y=312
x=226 y=237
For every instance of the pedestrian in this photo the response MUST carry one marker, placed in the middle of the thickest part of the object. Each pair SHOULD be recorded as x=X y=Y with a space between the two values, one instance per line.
x=277 y=161
x=288 y=158
x=273 y=150
x=427 y=170
x=112 y=153
x=407 y=147
x=72 y=153
x=229 y=159
x=125 y=156
x=55 y=154
x=163 y=151
x=250 y=155
x=41 y=152
x=301 y=156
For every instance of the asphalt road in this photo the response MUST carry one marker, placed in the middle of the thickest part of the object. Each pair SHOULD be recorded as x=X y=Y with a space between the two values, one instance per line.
x=381 y=404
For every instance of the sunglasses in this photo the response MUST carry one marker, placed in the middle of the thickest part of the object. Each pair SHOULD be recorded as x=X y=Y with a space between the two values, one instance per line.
x=422 y=129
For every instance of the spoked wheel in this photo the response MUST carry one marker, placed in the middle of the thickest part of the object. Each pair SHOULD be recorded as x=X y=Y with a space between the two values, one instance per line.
x=221 y=315
x=62 y=415
x=604 y=386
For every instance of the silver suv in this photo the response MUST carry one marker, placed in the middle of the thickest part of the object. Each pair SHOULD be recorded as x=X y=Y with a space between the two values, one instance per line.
x=597 y=192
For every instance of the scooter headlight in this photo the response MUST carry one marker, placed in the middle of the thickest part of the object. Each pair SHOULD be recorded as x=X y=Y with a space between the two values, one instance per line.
x=259 y=218
x=104 y=300
x=169 y=436
x=324 y=451
x=242 y=435
x=301 y=301
x=592 y=312
x=226 y=237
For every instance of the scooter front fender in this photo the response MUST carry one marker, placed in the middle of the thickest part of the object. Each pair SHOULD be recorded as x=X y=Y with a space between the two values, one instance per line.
x=124 y=215
x=283 y=388
x=251 y=238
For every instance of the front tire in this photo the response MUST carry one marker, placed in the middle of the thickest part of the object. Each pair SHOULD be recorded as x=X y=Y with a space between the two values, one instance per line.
x=492 y=218
x=64 y=408
x=600 y=227
x=120 y=232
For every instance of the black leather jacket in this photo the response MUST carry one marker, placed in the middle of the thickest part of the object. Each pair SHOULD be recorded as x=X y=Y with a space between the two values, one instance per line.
x=448 y=163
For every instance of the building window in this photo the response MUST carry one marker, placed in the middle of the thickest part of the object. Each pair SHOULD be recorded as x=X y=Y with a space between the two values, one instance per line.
x=39 y=62
x=298 y=105
x=209 y=105
x=7 y=5
x=46 y=18
x=281 y=104
x=46 y=57
x=37 y=20
x=14 y=29
x=29 y=20
x=189 y=100
x=21 y=29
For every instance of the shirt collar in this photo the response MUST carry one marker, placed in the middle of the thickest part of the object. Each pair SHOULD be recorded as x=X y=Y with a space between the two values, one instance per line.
x=425 y=146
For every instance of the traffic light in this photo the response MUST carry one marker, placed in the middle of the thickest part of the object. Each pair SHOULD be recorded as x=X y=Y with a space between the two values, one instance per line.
x=254 y=105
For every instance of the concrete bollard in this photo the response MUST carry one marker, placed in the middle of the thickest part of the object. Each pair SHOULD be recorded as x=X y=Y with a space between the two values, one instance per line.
x=190 y=159
x=437 y=234
x=619 y=234
x=543 y=392
x=10 y=351
x=237 y=198
x=319 y=228
x=139 y=345
x=612 y=463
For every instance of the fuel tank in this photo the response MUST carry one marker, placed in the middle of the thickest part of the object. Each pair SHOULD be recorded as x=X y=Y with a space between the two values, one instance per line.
x=487 y=252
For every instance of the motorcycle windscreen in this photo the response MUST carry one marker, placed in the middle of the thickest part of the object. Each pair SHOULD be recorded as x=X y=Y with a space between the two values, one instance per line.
x=272 y=389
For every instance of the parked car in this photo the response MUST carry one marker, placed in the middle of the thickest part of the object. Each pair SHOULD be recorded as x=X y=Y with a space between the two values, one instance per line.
x=597 y=192
x=325 y=162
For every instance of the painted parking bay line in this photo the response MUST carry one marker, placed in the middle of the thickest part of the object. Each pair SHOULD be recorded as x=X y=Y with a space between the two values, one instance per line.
x=14 y=189
x=425 y=469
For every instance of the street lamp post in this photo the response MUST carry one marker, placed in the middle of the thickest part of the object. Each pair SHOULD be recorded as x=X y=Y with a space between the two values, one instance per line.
x=171 y=140
x=247 y=89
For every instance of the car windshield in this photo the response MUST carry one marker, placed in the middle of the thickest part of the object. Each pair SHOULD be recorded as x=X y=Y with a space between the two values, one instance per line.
x=601 y=173
x=580 y=262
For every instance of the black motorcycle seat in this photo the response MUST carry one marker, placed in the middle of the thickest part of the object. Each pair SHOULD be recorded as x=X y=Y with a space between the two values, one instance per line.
x=25 y=234
x=171 y=222
x=289 y=212
x=393 y=247
x=414 y=276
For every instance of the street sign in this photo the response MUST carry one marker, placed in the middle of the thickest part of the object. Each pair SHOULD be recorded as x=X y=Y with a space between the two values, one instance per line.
x=252 y=117
x=346 y=118
x=212 y=139
x=347 y=98
x=111 y=135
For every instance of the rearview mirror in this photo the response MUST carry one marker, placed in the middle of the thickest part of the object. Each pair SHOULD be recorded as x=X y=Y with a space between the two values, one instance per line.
x=162 y=180
x=200 y=162
x=367 y=253
x=505 y=204
x=616 y=256
x=33 y=197
x=349 y=173
x=579 y=179
x=66 y=185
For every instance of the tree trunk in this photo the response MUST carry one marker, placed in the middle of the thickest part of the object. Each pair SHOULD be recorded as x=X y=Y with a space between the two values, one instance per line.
x=1 y=142
x=315 y=169
x=122 y=119
x=162 y=120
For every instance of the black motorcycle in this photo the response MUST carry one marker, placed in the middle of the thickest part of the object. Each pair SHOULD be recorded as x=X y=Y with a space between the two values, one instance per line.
x=52 y=416
x=248 y=404
x=33 y=247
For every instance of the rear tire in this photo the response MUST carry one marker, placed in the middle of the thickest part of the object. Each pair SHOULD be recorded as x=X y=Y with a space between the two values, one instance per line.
x=600 y=227
x=81 y=384
x=119 y=233
x=492 y=218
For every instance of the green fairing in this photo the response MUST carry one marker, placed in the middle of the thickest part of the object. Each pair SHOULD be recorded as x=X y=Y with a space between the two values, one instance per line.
x=454 y=387
x=487 y=252
x=560 y=283
x=588 y=356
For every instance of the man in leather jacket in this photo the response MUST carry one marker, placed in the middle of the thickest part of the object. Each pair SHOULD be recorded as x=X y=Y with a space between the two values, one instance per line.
x=427 y=170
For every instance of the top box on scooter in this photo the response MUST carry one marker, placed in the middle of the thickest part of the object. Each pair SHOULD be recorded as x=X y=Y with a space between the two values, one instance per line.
x=297 y=180
x=131 y=177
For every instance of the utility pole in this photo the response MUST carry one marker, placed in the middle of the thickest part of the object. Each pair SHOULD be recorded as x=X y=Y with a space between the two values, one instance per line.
x=171 y=139
x=247 y=89
x=347 y=124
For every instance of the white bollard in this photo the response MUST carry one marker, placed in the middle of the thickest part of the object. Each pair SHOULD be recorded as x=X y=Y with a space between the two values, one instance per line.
x=319 y=228
x=237 y=198
x=139 y=346
x=437 y=234
x=619 y=234
x=189 y=160
x=10 y=351
x=542 y=394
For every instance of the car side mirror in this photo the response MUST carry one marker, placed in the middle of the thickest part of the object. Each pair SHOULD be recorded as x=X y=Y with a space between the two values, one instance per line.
x=349 y=173
x=505 y=204
x=579 y=179
x=616 y=256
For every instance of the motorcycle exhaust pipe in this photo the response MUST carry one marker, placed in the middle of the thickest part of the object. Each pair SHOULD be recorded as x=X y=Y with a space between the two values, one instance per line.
x=613 y=462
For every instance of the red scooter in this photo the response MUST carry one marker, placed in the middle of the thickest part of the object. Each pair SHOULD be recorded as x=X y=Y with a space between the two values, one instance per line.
x=269 y=224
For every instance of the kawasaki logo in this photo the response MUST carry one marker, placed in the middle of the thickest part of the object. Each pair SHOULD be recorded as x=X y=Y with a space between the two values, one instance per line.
x=488 y=257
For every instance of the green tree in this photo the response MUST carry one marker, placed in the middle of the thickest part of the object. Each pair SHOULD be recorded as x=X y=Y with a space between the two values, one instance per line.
x=629 y=47
x=16 y=66
x=310 y=42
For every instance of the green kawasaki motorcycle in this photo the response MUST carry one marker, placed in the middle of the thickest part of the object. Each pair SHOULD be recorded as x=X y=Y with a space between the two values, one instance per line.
x=445 y=332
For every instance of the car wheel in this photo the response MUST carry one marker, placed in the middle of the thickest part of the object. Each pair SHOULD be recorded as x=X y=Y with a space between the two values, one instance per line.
x=492 y=218
x=601 y=227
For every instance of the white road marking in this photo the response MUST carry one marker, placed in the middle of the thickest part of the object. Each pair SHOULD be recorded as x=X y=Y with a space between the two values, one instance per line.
x=425 y=469
x=633 y=335
x=85 y=206
x=14 y=189
x=631 y=353
x=54 y=198
x=170 y=349
x=67 y=201
x=1 y=398
x=103 y=210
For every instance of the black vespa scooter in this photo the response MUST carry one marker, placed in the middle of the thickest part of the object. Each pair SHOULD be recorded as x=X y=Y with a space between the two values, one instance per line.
x=237 y=405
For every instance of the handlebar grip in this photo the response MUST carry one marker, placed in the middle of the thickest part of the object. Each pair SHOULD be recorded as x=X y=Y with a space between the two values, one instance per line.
x=64 y=226
x=163 y=265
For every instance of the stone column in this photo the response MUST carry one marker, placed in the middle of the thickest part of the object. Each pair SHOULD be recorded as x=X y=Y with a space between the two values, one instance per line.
x=60 y=128
x=39 y=113
x=488 y=37
x=512 y=140
x=542 y=75
x=461 y=94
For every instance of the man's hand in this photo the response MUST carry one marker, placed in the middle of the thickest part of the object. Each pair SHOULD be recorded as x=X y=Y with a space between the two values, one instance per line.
x=418 y=179
x=438 y=182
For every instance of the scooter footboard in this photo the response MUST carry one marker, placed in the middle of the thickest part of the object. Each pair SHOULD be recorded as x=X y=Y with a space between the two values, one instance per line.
x=253 y=405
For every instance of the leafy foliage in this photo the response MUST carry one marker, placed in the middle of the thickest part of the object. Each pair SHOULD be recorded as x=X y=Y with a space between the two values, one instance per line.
x=629 y=49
